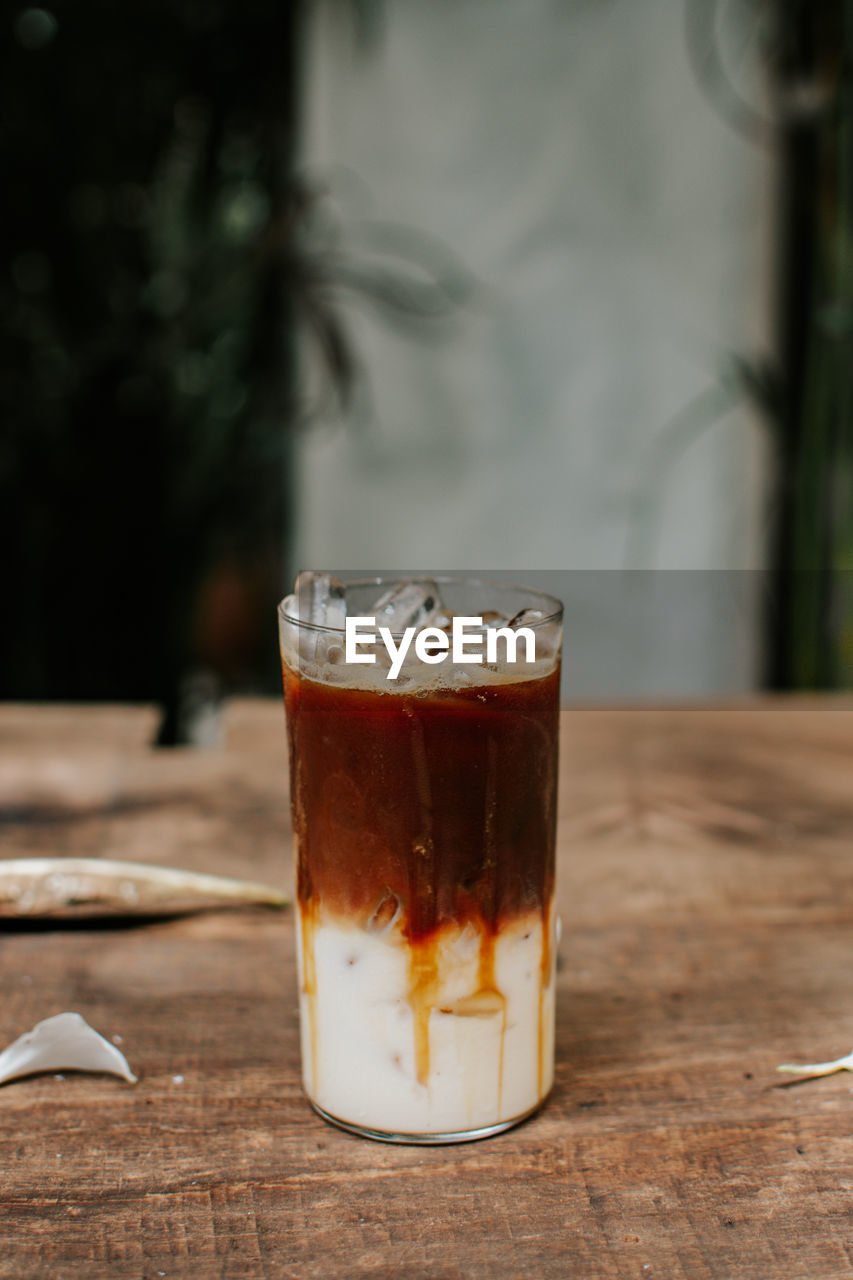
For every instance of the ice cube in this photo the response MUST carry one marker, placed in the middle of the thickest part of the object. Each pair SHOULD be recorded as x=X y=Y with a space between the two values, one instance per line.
x=321 y=600
x=547 y=637
x=525 y=618
x=385 y=914
x=490 y=620
x=406 y=604
x=442 y=618
x=485 y=1003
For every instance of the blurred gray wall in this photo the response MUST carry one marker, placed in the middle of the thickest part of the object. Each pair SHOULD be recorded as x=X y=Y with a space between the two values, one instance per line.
x=615 y=231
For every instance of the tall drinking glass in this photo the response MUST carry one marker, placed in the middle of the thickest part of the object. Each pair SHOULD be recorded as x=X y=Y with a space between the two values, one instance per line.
x=424 y=815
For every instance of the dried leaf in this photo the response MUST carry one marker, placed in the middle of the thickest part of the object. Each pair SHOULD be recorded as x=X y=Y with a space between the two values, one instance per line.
x=65 y=1042
x=35 y=887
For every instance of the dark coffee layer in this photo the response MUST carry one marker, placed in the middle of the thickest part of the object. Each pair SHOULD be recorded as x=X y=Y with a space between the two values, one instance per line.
x=440 y=807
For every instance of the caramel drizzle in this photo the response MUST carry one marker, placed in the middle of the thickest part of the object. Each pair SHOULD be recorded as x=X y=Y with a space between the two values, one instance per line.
x=486 y=977
x=489 y=993
x=423 y=965
x=422 y=995
x=545 y=978
x=309 y=981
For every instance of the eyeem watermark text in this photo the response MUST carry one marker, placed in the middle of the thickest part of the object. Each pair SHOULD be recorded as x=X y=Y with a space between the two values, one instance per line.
x=465 y=643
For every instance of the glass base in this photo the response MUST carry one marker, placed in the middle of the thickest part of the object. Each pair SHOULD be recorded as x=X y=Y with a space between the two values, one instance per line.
x=426 y=1139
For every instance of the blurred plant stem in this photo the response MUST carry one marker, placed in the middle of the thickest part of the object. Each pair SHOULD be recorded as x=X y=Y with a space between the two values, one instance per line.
x=811 y=622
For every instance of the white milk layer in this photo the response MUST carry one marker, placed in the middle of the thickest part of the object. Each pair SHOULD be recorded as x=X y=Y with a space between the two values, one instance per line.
x=489 y=1053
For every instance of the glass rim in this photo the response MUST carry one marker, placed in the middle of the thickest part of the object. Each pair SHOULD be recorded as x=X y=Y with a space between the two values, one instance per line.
x=554 y=613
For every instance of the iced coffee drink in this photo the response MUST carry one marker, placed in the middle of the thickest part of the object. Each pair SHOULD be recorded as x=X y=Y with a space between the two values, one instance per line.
x=424 y=811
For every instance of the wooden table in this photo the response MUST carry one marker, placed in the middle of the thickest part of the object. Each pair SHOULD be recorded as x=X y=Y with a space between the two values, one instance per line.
x=706 y=891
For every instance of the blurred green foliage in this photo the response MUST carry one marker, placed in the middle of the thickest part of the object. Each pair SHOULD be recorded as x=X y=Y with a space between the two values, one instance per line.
x=148 y=278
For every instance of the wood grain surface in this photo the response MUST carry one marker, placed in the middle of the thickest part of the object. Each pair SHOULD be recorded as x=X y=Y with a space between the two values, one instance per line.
x=706 y=893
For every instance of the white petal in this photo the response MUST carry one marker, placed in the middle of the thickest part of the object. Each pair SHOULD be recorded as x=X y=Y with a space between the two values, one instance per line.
x=64 y=1042
x=818 y=1068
